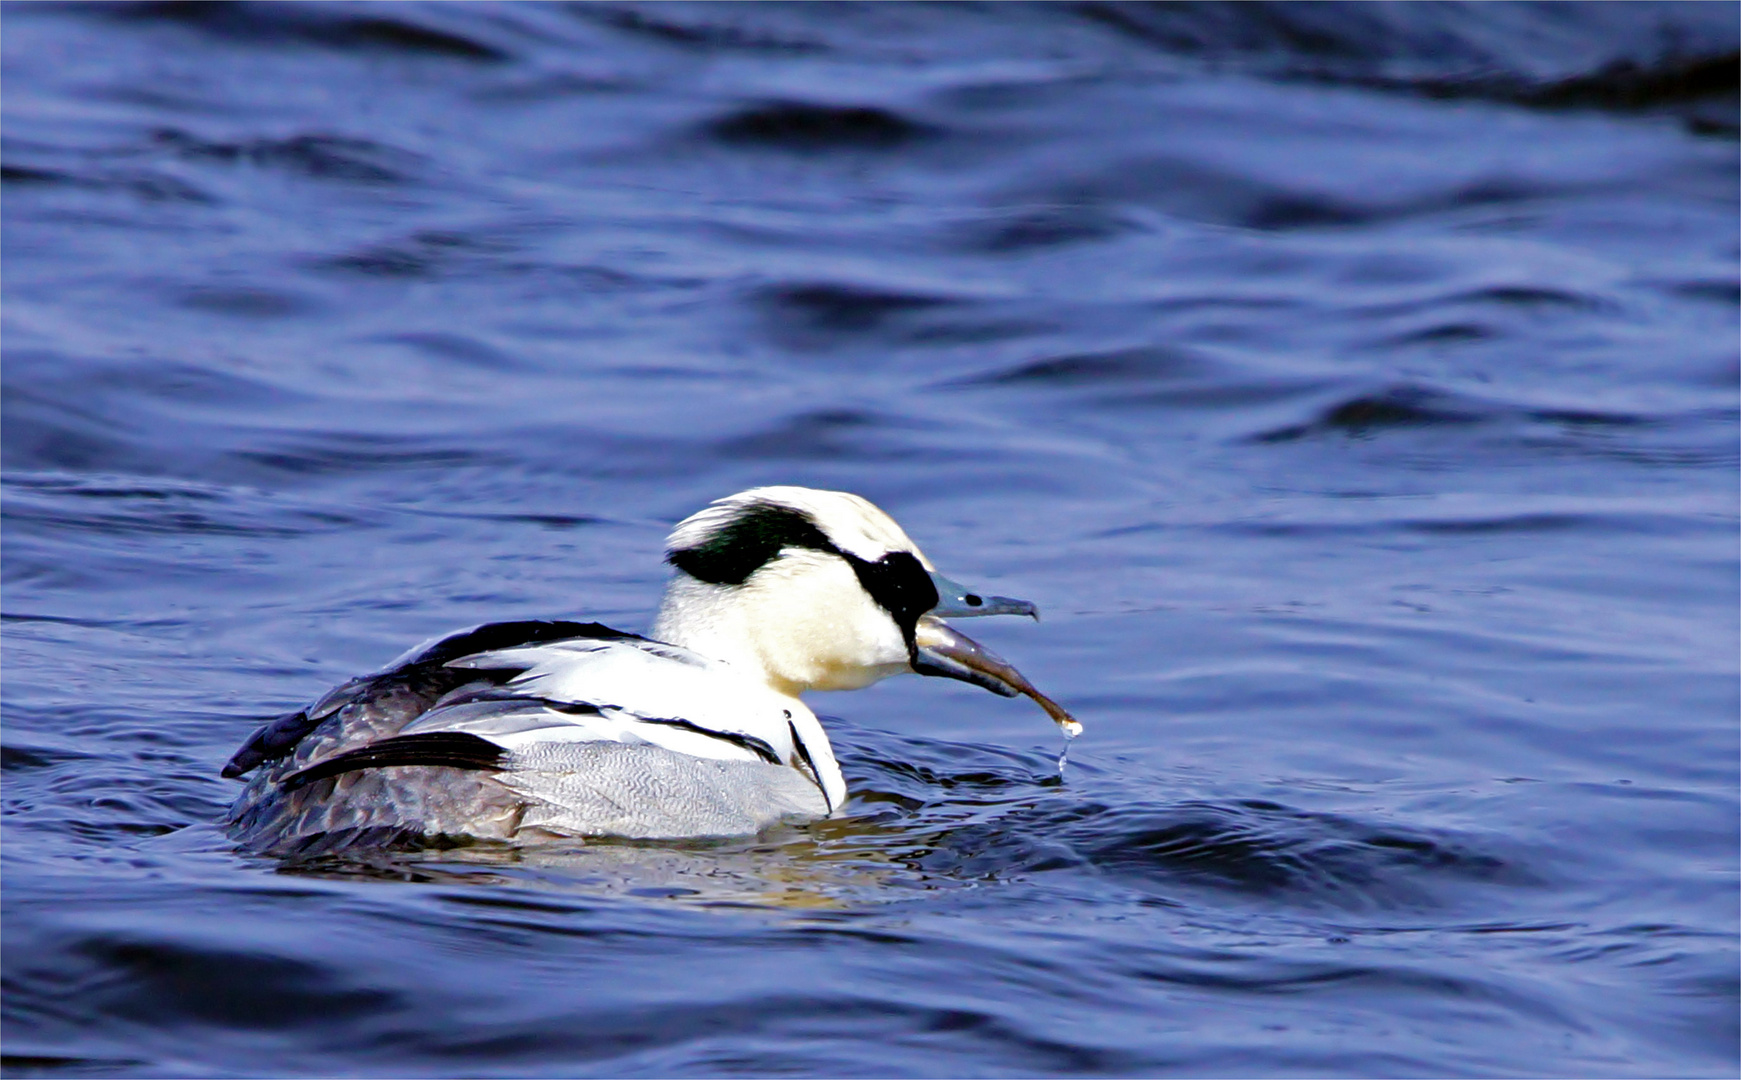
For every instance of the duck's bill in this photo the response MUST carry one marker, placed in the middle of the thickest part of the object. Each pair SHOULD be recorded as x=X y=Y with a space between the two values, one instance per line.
x=941 y=650
x=957 y=601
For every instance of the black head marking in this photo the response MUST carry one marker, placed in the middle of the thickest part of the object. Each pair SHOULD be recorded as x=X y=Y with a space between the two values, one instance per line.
x=748 y=542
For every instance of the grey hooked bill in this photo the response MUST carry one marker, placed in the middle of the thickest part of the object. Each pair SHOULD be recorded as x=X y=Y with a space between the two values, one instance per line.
x=943 y=650
x=957 y=601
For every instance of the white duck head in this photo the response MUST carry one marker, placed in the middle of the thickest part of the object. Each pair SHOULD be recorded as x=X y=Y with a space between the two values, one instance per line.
x=821 y=590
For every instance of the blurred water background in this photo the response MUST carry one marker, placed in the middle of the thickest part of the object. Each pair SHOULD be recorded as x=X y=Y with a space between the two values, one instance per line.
x=1353 y=387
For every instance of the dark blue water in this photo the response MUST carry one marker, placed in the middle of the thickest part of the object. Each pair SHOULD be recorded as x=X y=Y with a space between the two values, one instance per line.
x=1354 y=388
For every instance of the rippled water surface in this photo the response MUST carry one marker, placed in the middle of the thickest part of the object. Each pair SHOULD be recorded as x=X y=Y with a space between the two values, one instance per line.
x=1354 y=388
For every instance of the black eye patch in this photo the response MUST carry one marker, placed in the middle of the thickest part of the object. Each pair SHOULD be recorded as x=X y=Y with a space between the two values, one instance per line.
x=899 y=585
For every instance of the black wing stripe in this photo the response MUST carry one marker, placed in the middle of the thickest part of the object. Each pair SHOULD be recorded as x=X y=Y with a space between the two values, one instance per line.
x=510 y=699
x=494 y=637
x=804 y=754
x=748 y=742
x=451 y=749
